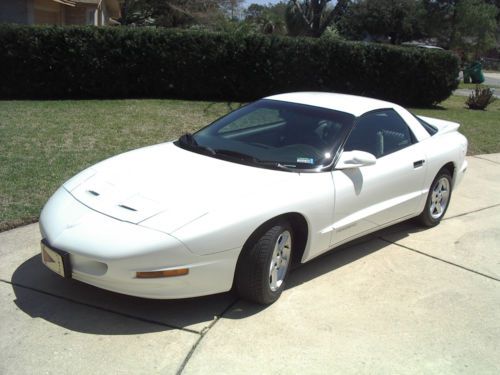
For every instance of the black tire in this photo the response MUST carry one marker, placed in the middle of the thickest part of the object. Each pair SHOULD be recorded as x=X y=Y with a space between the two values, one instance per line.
x=431 y=216
x=254 y=280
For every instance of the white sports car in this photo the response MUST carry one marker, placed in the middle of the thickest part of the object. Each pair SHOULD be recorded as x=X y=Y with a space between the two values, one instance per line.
x=277 y=182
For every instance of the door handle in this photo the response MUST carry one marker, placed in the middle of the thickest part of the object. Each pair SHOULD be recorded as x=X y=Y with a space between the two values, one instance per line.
x=418 y=163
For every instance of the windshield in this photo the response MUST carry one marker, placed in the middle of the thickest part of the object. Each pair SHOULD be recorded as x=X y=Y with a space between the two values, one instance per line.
x=273 y=133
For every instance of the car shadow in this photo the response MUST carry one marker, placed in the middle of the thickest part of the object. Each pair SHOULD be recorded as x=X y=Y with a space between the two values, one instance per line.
x=351 y=252
x=83 y=308
x=332 y=260
x=33 y=284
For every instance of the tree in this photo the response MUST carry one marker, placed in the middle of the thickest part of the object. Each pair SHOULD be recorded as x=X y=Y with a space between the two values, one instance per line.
x=465 y=25
x=496 y=3
x=232 y=8
x=312 y=17
x=393 y=20
x=269 y=19
x=476 y=29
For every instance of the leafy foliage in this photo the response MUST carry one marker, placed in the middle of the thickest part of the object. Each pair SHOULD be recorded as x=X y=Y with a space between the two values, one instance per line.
x=230 y=7
x=465 y=25
x=394 y=20
x=89 y=62
x=480 y=98
x=269 y=19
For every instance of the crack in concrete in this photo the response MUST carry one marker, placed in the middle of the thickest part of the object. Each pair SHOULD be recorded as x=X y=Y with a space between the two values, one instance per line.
x=444 y=260
x=202 y=335
x=130 y=316
x=478 y=157
x=440 y=259
x=472 y=212
x=188 y=356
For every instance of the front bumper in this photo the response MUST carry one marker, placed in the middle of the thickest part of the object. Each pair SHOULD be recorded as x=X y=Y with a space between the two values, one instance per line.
x=210 y=275
x=460 y=173
x=107 y=253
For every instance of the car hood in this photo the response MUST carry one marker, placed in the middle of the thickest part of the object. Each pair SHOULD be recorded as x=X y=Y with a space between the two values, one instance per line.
x=165 y=178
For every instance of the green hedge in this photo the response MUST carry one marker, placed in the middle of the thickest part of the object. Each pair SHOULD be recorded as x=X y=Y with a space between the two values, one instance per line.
x=88 y=62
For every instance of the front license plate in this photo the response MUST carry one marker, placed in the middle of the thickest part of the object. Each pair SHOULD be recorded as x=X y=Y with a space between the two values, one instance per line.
x=55 y=260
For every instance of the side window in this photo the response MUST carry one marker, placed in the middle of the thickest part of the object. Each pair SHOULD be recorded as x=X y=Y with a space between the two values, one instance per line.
x=380 y=133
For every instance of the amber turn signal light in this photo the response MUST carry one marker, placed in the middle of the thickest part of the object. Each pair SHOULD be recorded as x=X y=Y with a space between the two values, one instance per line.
x=166 y=273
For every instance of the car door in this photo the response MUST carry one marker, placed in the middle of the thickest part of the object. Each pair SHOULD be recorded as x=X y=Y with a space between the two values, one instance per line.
x=372 y=196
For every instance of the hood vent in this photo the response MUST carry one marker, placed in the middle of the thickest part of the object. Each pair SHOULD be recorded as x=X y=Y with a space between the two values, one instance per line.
x=116 y=199
x=93 y=192
x=127 y=207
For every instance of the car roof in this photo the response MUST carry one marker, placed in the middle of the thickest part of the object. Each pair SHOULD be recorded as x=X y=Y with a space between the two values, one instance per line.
x=355 y=105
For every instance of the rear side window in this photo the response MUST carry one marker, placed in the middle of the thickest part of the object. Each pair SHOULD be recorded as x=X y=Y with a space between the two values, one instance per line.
x=430 y=129
x=380 y=133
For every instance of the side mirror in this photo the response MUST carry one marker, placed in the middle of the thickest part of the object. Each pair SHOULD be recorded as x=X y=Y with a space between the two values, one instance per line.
x=355 y=159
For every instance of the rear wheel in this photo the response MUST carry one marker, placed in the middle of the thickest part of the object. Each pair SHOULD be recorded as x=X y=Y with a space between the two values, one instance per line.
x=264 y=266
x=438 y=200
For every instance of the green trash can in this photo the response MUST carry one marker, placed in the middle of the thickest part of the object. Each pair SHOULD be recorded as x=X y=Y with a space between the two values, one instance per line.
x=466 y=75
x=475 y=72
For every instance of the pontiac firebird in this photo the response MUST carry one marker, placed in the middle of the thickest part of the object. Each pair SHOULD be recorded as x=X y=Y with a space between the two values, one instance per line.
x=233 y=206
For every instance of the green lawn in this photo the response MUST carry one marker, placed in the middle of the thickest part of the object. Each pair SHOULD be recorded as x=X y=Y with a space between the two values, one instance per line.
x=43 y=143
x=472 y=86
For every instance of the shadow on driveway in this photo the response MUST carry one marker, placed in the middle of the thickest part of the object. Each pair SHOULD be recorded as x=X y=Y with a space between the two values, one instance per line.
x=193 y=314
x=332 y=260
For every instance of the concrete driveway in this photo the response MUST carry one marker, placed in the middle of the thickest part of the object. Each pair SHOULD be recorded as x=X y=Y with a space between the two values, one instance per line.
x=492 y=79
x=404 y=300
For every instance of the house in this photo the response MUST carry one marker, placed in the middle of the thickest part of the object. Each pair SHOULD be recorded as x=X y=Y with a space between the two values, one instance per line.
x=59 y=12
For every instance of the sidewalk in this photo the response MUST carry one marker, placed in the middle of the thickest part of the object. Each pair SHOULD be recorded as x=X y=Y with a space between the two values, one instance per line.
x=404 y=300
x=490 y=79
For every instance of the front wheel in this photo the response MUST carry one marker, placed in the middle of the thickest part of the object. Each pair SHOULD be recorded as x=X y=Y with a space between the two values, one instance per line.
x=438 y=200
x=264 y=266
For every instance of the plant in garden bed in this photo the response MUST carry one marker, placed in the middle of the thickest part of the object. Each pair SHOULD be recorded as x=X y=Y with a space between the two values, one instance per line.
x=480 y=98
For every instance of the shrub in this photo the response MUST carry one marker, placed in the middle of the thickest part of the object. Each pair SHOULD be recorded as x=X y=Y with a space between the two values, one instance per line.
x=89 y=62
x=480 y=98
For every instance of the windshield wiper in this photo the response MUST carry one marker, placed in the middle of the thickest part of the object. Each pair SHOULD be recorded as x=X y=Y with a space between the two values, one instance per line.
x=246 y=157
x=285 y=167
x=188 y=140
x=235 y=154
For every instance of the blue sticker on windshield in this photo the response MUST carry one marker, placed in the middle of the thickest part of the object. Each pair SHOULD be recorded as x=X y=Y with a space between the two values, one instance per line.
x=305 y=160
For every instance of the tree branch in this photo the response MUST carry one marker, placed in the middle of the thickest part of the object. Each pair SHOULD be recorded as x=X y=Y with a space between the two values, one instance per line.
x=299 y=9
x=328 y=20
